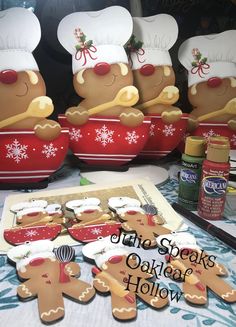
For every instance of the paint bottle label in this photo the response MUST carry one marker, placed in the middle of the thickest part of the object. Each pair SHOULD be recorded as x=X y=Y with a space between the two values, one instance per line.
x=212 y=192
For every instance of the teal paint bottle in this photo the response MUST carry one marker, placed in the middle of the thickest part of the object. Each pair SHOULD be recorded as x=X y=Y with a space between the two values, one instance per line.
x=190 y=173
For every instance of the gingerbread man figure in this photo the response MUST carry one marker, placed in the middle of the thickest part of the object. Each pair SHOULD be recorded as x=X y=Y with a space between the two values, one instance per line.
x=204 y=272
x=114 y=275
x=144 y=221
x=48 y=276
x=38 y=213
x=151 y=63
x=102 y=76
x=88 y=212
x=211 y=78
x=23 y=100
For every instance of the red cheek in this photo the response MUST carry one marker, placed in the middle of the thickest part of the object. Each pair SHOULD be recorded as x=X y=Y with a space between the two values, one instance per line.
x=36 y=262
x=88 y=211
x=147 y=70
x=8 y=76
x=214 y=82
x=102 y=68
x=115 y=259
x=32 y=214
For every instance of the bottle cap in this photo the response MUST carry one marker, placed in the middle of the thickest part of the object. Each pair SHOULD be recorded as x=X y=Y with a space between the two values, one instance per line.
x=218 y=149
x=195 y=146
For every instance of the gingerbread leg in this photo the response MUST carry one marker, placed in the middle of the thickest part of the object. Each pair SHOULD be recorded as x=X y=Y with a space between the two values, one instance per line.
x=222 y=289
x=79 y=290
x=195 y=295
x=152 y=296
x=124 y=308
x=51 y=305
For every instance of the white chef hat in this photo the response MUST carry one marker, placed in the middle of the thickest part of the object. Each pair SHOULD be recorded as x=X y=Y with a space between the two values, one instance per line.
x=105 y=32
x=209 y=56
x=19 y=36
x=158 y=34
x=102 y=250
x=23 y=254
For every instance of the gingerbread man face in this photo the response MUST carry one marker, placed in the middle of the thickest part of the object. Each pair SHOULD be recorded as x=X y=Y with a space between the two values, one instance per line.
x=151 y=80
x=212 y=95
x=109 y=79
x=17 y=90
x=48 y=277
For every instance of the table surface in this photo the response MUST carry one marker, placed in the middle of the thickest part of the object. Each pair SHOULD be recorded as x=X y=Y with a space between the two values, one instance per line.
x=215 y=313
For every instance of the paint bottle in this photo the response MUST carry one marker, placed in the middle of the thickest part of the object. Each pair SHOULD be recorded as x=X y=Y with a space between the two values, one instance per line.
x=214 y=180
x=190 y=173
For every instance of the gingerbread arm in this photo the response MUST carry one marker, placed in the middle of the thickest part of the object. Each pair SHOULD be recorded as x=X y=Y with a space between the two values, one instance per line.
x=72 y=269
x=126 y=226
x=101 y=284
x=28 y=289
x=221 y=288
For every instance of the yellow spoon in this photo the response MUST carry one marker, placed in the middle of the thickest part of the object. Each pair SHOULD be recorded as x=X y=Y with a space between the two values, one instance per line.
x=169 y=95
x=40 y=107
x=126 y=97
x=229 y=108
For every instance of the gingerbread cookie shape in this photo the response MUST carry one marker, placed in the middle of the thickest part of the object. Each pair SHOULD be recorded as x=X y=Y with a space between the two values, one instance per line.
x=100 y=66
x=144 y=221
x=91 y=221
x=113 y=275
x=211 y=83
x=199 y=270
x=48 y=275
x=35 y=220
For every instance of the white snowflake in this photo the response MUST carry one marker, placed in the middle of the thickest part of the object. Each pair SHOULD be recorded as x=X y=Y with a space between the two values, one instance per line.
x=49 y=150
x=168 y=130
x=104 y=135
x=132 y=137
x=75 y=134
x=233 y=139
x=96 y=231
x=31 y=233
x=210 y=133
x=16 y=151
x=151 y=131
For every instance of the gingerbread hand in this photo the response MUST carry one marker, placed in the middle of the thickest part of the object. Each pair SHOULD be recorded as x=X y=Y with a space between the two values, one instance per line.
x=77 y=115
x=232 y=124
x=205 y=272
x=171 y=115
x=47 y=130
x=131 y=117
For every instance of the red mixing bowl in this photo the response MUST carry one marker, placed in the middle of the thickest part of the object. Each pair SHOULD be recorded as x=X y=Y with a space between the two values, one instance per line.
x=25 y=158
x=164 y=137
x=105 y=141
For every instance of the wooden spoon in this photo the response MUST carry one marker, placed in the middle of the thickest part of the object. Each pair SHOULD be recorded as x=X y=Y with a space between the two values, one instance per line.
x=46 y=219
x=126 y=97
x=169 y=95
x=229 y=108
x=104 y=217
x=40 y=107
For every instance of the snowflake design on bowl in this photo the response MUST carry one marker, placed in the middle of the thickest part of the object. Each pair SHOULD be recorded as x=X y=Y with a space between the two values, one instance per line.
x=209 y=134
x=96 y=231
x=75 y=134
x=31 y=233
x=151 y=131
x=104 y=135
x=168 y=130
x=233 y=139
x=132 y=137
x=49 y=150
x=16 y=151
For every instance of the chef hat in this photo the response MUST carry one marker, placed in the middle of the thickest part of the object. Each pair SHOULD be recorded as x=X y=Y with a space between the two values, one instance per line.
x=20 y=34
x=152 y=38
x=102 y=250
x=23 y=254
x=209 y=56
x=96 y=36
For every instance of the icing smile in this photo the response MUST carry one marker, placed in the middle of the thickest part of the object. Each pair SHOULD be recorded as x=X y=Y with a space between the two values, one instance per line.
x=113 y=80
x=25 y=91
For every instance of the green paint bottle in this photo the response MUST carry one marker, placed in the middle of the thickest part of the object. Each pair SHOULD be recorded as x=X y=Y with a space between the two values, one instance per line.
x=190 y=173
